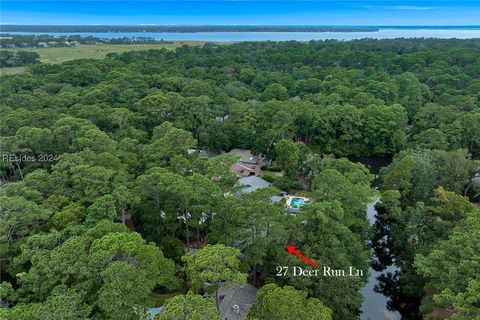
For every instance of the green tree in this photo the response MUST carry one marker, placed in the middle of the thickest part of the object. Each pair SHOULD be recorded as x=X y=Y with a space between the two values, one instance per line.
x=400 y=178
x=7 y=58
x=122 y=288
x=103 y=208
x=287 y=303
x=450 y=206
x=189 y=307
x=330 y=185
x=213 y=266
x=410 y=92
x=97 y=141
x=288 y=156
x=192 y=113
x=219 y=170
x=72 y=214
x=115 y=268
x=26 y=57
x=175 y=142
x=431 y=139
x=7 y=294
x=261 y=226
x=471 y=134
x=63 y=304
x=326 y=239
x=153 y=187
x=91 y=182
x=274 y=122
x=19 y=218
x=201 y=196
x=172 y=248
x=275 y=91
x=451 y=269
x=384 y=128
x=124 y=198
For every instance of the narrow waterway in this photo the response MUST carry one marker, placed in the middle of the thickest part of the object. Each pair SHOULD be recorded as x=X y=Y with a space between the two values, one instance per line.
x=374 y=306
x=375 y=302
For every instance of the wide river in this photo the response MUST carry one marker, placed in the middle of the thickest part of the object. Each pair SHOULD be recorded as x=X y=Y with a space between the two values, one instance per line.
x=387 y=33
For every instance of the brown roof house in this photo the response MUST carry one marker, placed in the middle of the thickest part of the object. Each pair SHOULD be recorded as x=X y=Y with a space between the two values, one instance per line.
x=235 y=301
x=248 y=165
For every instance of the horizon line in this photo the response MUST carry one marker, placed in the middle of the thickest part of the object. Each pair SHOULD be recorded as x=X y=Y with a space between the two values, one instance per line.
x=238 y=25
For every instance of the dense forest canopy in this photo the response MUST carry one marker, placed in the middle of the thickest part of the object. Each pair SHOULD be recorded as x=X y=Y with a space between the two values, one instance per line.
x=382 y=92
x=89 y=145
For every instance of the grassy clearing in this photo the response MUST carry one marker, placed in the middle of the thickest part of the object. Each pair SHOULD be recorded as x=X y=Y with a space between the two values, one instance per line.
x=158 y=299
x=59 y=55
x=12 y=70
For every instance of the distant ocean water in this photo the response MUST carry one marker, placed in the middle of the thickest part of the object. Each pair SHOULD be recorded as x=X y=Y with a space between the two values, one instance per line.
x=383 y=33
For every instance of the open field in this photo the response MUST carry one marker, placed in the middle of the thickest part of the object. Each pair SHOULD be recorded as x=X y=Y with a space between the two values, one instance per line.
x=59 y=55
x=12 y=70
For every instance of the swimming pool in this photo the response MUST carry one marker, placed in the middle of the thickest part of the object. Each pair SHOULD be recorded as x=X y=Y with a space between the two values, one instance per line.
x=297 y=202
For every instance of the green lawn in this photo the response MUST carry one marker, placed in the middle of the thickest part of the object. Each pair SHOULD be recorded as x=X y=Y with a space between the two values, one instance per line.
x=158 y=299
x=59 y=55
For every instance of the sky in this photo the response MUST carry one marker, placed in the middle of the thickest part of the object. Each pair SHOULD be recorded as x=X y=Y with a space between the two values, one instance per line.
x=241 y=12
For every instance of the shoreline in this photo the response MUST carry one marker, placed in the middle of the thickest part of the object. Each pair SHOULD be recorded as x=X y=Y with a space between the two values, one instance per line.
x=179 y=29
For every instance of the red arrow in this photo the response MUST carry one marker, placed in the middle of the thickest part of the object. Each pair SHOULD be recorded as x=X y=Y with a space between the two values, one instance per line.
x=293 y=250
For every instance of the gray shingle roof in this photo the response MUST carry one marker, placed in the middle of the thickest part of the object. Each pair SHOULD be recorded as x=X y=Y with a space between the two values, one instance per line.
x=236 y=301
x=252 y=183
x=246 y=155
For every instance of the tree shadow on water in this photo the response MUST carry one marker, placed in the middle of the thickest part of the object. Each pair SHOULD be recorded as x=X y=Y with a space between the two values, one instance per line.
x=389 y=284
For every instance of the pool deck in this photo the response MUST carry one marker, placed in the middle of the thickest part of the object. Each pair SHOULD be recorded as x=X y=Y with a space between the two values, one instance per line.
x=290 y=198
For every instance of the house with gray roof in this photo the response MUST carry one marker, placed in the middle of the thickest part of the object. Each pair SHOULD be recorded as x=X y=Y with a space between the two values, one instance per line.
x=235 y=301
x=246 y=156
x=250 y=184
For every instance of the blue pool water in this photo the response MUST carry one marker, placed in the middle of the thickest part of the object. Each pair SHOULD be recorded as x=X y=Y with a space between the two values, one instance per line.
x=298 y=202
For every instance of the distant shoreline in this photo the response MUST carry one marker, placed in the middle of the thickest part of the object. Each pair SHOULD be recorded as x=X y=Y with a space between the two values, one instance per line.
x=211 y=28
x=236 y=33
x=179 y=29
